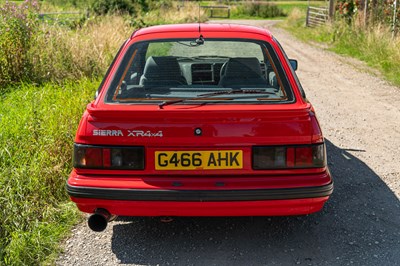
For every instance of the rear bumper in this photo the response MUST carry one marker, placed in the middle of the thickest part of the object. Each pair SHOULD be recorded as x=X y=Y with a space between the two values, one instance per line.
x=199 y=195
x=248 y=197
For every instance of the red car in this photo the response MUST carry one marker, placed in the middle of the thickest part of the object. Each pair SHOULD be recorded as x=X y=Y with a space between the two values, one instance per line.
x=199 y=120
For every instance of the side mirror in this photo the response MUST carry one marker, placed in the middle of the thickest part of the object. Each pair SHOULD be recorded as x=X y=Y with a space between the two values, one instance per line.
x=293 y=63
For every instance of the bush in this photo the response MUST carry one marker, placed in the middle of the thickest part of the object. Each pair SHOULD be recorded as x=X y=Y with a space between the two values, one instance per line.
x=157 y=4
x=103 y=7
x=18 y=26
x=262 y=10
x=131 y=7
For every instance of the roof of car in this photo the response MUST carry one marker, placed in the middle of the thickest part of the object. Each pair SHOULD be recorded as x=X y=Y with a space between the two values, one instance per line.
x=204 y=27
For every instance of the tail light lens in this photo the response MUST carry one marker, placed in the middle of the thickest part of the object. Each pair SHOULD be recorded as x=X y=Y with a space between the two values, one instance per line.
x=282 y=157
x=130 y=158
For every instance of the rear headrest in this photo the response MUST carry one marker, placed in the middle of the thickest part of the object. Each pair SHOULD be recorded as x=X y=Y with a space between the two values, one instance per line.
x=242 y=71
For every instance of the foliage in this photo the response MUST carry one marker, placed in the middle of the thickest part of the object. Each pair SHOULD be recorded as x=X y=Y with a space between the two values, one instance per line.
x=68 y=4
x=17 y=30
x=378 y=11
x=38 y=126
x=288 y=6
x=73 y=54
x=39 y=119
x=103 y=7
x=167 y=12
x=346 y=8
x=131 y=7
x=69 y=54
x=374 y=45
x=262 y=10
x=74 y=51
x=157 y=4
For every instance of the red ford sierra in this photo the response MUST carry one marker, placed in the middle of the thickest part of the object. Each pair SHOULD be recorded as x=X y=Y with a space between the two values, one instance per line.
x=199 y=120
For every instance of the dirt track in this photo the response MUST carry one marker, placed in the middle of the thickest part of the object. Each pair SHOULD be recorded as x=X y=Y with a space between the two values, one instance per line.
x=360 y=225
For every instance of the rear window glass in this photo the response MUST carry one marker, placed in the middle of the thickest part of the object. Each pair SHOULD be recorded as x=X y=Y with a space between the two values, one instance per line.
x=188 y=71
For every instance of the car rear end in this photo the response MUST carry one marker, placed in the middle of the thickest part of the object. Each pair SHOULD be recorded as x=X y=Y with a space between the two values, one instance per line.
x=225 y=131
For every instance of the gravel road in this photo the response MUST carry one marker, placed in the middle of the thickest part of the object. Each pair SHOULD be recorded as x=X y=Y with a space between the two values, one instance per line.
x=360 y=225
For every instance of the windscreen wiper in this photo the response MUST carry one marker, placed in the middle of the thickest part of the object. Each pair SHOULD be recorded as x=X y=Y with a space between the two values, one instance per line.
x=237 y=91
x=215 y=93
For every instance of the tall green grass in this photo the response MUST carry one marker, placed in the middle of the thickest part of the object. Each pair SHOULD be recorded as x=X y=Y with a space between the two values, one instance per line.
x=373 y=45
x=33 y=50
x=37 y=124
x=48 y=72
x=288 y=6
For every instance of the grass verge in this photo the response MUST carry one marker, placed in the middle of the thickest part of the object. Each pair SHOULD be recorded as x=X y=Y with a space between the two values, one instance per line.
x=38 y=125
x=374 y=45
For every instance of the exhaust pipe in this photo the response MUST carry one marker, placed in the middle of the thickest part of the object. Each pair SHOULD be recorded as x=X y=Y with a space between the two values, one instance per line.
x=99 y=220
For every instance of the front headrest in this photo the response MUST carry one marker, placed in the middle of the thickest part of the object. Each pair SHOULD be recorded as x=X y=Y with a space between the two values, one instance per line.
x=161 y=67
x=243 y=66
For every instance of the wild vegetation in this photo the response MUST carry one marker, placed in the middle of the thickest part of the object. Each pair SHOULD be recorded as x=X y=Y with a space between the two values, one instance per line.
x=257 y=10
x=36 y=50
x=369 y=39
x=37 y=130
x=49 y=71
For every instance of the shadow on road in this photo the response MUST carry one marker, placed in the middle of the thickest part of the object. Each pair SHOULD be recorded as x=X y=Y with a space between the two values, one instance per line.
x=360 y=225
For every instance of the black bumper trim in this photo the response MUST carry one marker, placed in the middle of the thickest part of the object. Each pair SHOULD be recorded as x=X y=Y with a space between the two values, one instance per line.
x=199 y=195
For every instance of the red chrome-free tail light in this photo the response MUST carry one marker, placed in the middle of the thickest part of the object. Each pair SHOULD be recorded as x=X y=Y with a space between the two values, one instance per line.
x=283 y=157
x=86 y=156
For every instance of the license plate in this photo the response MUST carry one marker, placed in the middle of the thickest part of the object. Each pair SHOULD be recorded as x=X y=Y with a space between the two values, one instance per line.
x=198 y=160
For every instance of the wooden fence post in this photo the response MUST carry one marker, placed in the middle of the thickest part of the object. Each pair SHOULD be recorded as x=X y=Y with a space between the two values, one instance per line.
x=331 y=9
x=394 y=18
x=366 y=13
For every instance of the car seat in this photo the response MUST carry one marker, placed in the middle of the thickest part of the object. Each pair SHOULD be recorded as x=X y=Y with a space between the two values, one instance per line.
x=242 y=72
x=162 y=71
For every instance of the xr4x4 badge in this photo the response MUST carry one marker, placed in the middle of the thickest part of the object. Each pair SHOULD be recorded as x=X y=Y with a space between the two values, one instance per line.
x=141 y=133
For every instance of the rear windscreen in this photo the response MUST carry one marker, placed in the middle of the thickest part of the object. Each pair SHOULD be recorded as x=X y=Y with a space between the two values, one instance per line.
x=207 y=71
